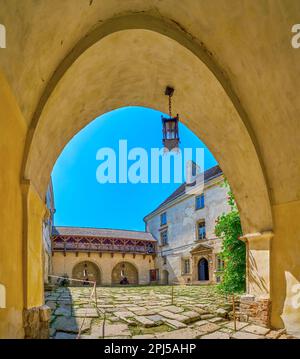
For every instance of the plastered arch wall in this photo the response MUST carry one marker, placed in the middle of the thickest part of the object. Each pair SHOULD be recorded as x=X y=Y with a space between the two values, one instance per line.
x=119 y=67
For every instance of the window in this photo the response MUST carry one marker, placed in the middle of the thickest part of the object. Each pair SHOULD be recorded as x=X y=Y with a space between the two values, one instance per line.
x=163 y=219
x=201 y=230
x=220 y=264
x=164 y=238
x=200 y=201
x=164 y=259
x=186 y=266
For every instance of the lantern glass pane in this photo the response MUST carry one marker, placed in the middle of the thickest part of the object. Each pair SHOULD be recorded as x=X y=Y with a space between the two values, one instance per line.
x=170 y=129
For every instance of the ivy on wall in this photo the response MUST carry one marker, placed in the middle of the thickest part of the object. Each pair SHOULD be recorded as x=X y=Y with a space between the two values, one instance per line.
x=228 y=227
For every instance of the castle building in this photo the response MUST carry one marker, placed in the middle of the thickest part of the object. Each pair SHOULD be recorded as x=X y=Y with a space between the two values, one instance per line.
x=105 y=256
x=183 y=225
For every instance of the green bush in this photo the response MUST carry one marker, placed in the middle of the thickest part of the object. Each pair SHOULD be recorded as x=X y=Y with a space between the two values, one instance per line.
x=228 y=227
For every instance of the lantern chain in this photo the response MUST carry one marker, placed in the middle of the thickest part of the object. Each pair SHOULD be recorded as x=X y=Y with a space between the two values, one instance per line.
x=170 y=106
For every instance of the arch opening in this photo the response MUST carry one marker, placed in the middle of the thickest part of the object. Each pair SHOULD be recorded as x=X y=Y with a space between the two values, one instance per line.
x=124 y=273
x=87 y=271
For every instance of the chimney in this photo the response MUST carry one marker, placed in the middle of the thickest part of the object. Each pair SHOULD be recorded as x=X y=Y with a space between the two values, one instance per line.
x=191 y=173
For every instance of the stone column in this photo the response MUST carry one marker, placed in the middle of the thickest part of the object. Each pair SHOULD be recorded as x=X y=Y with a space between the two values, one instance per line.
x=36 y=316
x=256 y=304
x=36 y=322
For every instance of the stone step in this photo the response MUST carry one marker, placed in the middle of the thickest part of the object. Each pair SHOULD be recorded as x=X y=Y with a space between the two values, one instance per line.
x=175 y=324
x=145 y=322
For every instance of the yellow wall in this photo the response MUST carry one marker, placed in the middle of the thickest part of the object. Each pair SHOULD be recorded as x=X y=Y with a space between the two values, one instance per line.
x=34 y=211
x=12 y=139
x=65 y=264
x=285 y=267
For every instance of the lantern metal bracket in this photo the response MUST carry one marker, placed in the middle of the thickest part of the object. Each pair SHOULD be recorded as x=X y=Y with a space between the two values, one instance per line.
x=169 y=91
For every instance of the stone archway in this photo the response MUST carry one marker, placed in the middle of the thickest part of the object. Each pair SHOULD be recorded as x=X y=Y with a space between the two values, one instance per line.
x=221 y=102
x=86 y=270
x=126 y=272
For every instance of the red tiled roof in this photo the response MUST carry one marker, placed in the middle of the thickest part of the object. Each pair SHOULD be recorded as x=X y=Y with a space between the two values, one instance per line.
x=102 y=232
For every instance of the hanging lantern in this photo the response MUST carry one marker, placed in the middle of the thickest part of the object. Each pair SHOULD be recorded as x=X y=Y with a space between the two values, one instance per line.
x=170 y=125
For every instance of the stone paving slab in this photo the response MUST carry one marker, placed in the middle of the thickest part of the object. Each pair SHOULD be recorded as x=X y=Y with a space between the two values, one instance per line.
x=200 y=322
x=64 y=311
x=157 y=319
x=125 y=314
x=275 y=334
x=145 y=322
x=245 y=335
x=62 y=335
x=110 y=330
x=187 y=333
x=173 y=309
x=216 y=335
x=116 y=330
x=192 y=316
x=255 y=329
x=239 y=325
x=209 y=327
x=175 y=323
x=71 y=324
x=85 y=312
x=170 y=315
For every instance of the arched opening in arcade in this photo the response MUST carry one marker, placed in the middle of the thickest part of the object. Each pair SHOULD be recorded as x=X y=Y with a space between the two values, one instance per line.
x=125 y=273
x=86 y=271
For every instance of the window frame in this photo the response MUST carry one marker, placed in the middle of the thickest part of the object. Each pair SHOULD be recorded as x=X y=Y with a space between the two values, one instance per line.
x=163 y=242
x=220 y=264
x=201 y=222
x=163 y=215
x=202 y=201
x=185 y=261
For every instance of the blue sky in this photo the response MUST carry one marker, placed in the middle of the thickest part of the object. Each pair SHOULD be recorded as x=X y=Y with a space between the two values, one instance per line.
x=80 y=200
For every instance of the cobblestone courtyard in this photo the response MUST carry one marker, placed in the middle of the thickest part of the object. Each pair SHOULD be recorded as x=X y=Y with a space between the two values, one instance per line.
x=147 y=312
